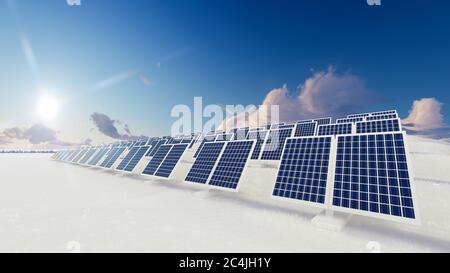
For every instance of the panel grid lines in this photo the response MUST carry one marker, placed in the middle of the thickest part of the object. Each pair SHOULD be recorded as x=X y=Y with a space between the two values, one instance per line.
x=231 y=164
x=157 y=159
x=127 y=158
x=303 y=171
x=305 y=129
x=136 y=158
x=372 y=175
x=275 y=143
x=379 y=126
x=171 y=160
x=204 y=163
x=260 y=137
x=335 y=129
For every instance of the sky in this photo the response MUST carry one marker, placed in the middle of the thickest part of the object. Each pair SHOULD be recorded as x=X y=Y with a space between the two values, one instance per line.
x=115 y=69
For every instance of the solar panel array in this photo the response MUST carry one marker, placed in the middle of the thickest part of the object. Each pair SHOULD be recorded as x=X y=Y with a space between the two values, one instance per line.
x=335 y=129
x=357 y=165
x=379 y=126
x=127 y=158
x=171 y=160
x=260 y=137
x=136 y=158
x=157 y=159
x=231 y=164
x=305 y=129
x=273 y=147
x=205 y=162
x=221 y=164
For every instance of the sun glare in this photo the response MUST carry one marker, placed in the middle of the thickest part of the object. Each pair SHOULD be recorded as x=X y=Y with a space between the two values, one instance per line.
x=47 y=107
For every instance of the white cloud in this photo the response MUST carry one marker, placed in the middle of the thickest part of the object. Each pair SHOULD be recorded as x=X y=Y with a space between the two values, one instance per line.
x=425 y=114
x=324 y=94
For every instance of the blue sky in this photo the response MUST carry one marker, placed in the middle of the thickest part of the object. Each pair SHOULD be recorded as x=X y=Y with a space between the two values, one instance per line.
x=228 y=52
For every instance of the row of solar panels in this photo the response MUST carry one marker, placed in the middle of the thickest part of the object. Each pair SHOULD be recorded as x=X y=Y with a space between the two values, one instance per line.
x=364 y=171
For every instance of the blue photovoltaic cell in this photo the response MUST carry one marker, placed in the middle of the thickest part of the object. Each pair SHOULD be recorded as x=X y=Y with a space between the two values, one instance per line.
x=136 y=158
x=372 y=175
x=113 y=158
x=231 y=164
x=155 y=148
x=204 y=163
x=305 y=129
x=171 y=160
x=303 y=170
x=94 y=161
x=109 y=156
x=159 y=156
x=335 y=129
x=347 y=120
x=379 y=126
x=259 y=136
x=127 y=158
x=274 y=144
x=206 y=139
x=381 y=117
x=323 y=121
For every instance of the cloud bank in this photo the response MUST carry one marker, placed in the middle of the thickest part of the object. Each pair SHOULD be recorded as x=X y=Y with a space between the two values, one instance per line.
x=324 y=94
x=108 y=127
x=36 y=135
x=425 y=118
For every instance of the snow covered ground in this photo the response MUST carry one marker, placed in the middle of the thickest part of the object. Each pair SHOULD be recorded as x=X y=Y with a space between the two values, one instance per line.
x=48 y=206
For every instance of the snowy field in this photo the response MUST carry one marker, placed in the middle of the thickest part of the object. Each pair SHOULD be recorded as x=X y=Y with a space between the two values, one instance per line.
x=49 y=206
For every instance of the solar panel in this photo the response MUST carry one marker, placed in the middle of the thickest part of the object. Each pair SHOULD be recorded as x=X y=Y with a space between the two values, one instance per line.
x=260 y=137
x=358 y=115
x=286 y=126
x=109 y=156
x=273 y=147
x=383 y=113
x=97 y=157
x=72 y=155
x=88 y=155
x=155 y=148
x=240 y=134
x=379 y=126
x=380 y=117
x=207 y=138
x=224 y=137
x=348 y=120
x=136 y=158
x=372 y=176
x=112 y=157
x=80 y=155
x=305 y=129
x=204 y=163
x=305 y=121
x=127 y=158
x=159 y=156
x=171 y=160
x=335 y=129
x=194 y=140
x=231 y=164
x=323 y=121
x=303 y=170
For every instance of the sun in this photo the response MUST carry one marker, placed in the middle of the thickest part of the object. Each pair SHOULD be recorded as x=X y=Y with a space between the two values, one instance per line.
x=47 y=107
